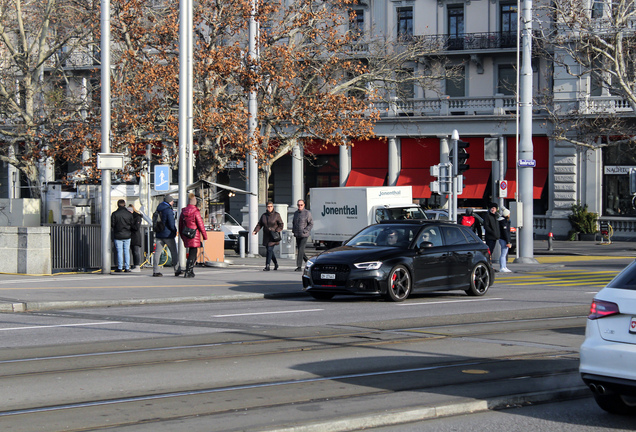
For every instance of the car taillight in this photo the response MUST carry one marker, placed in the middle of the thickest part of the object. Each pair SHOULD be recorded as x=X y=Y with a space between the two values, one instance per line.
x=600 y=309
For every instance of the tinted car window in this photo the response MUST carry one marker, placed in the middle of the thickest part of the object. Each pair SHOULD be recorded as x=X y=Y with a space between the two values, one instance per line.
x=471 y=237
x=430 y=234
x=626 y=279
x=453 y=235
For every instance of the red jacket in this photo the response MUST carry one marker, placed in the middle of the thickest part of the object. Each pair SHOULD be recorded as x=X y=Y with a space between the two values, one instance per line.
x=191 y=218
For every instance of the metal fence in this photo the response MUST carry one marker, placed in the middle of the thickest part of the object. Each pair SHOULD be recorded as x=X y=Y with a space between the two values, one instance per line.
x=75 y=247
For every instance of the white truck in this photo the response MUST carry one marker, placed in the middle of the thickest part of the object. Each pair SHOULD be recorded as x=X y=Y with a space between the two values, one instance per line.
x=340 y=212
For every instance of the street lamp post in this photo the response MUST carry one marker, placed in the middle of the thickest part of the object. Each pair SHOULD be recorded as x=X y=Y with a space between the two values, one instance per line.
x=105 y=105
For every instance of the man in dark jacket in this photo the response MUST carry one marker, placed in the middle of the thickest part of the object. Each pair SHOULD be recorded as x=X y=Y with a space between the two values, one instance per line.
x=491 y=227
x=121 y=223
x=301 y=227
x=166 y=237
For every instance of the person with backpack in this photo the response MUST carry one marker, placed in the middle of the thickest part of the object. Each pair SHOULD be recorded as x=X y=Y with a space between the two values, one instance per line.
x=471 y=221
x=164 y=218
x=190 y=218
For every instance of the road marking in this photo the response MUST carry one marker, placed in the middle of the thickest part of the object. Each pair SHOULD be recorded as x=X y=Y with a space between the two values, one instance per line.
x=266 y=313
x=61 y=325
x=449 y=301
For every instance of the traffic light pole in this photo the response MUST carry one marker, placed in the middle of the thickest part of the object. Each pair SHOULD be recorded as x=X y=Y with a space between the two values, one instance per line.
x=452 y=211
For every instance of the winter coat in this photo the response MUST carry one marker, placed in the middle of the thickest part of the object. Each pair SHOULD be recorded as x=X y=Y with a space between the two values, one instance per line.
x=137 y=233
x=504 y=228
x=271 y=221
x=191 y=218
x=491 y=226
x=170 y=231
x=121 y=223
x=302 y=223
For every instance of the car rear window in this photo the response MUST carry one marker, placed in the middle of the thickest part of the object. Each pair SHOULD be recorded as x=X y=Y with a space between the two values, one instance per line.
x=625 y=279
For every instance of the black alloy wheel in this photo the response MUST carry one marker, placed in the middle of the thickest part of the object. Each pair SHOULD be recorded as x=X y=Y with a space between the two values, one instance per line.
x=399 y=284
x=479 y=280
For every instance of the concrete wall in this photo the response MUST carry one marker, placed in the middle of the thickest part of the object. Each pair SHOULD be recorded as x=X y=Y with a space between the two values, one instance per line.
x=25 y=250
x=20 y=212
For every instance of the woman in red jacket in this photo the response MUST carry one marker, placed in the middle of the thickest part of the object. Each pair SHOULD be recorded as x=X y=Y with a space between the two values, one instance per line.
x=191 y=218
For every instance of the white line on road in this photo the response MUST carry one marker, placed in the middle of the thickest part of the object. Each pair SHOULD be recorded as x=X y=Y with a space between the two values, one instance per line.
x=449 y=301
x=266 y=313
x=61 y=325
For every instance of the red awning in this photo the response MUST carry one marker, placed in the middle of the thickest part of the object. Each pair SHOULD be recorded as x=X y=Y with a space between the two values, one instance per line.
x=475 y=182
x=367 y=177
x=539 y=178
x=419 y=179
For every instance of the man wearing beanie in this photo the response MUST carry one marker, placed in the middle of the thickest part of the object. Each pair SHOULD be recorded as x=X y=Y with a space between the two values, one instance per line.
x=166 y=237
x=491 y=227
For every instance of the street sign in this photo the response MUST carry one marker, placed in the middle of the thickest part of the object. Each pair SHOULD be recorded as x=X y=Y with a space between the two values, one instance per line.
x=527 y=163
x=162 y=178
x=503 y=189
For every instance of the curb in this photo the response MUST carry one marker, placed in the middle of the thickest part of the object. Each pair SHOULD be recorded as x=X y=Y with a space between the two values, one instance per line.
x=396 y=417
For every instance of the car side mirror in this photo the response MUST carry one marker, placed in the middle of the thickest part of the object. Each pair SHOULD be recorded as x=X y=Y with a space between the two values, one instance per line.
x=424 y=245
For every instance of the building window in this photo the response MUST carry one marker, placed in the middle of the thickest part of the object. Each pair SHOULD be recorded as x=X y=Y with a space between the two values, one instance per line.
x=405 y=88
x=506 y=80
x=508 y=17
x=456 y=85
x=405 y=23
x=617 y=159
x=455 y=27
x=357 y=24
x=597 y=9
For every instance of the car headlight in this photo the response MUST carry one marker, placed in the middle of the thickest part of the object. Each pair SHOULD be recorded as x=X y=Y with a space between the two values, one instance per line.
x=308 y=264
x=371 y=265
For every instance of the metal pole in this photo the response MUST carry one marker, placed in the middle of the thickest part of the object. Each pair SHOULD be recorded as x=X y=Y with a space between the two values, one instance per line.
x=105 y=105
x=252 y=163
x=526 y=249
x=189 y=95
x=183 y=112
x=149 y=211
x=453 y=211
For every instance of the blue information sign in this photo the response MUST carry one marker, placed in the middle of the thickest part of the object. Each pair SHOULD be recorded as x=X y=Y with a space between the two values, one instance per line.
x=162 y=178
x=527 y=163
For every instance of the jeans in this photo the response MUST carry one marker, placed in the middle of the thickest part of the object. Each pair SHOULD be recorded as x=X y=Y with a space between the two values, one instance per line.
x=123 y=253
x=172 y=246
x=301 y=242
x=270 y=256
x=503 y=258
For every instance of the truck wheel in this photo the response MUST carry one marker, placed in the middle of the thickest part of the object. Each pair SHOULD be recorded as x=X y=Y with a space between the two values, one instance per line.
x=399 y=284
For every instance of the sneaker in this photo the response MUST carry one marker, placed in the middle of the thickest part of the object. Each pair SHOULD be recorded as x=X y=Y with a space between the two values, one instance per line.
x=127 y=271
x=157 y=274
x=505 y=270
x=118 y=271
x=178 y=272
x=298 y=269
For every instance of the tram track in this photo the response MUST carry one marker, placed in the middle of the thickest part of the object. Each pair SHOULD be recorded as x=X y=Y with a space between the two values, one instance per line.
x=157 y=381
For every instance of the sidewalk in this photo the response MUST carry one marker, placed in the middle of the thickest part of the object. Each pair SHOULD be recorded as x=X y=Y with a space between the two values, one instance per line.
x=241 y=279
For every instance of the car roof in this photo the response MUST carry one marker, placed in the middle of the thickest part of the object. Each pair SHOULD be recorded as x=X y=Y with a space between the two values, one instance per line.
x=416 y=222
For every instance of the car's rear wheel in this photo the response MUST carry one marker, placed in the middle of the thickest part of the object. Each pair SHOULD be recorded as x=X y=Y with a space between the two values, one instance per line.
x=479 y=280
x=616 y=404
x=399 y=284
x=321 y=295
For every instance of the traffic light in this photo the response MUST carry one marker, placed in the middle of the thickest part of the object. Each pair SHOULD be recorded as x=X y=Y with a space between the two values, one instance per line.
x=462 y=156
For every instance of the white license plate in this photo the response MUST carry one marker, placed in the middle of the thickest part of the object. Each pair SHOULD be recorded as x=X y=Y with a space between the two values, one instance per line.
x=632 y=325
x=327 y=276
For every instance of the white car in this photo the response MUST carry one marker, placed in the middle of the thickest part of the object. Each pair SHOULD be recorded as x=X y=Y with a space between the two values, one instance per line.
x=608 y=354
x=231 y=229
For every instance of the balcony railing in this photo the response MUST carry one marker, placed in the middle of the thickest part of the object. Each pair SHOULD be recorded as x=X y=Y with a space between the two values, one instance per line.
x=493 y=105
x=476 y=41
x=604 y=104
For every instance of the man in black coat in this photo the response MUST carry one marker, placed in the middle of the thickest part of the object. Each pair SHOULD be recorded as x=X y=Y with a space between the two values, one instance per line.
x=121 y=223
x=491 y=227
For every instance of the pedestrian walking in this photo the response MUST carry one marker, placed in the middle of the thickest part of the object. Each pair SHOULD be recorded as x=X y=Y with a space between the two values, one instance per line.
x=505 y=241
x=272 y=225
x=191 y=229
x=136 y=239
x=301 y=228
x=121 y=223
x=491 y=226
x=166 y=237
x=469 y=220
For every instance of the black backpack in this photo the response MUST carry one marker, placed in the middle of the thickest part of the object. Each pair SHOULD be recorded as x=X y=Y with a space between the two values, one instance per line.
x=157 y=222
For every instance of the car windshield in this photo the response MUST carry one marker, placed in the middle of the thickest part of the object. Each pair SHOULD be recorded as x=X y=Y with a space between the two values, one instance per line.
x=399 y=236
x=229 y=220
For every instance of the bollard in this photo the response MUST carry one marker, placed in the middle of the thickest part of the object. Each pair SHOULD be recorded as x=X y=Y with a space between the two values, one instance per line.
x=242 y=246
x=550 y=242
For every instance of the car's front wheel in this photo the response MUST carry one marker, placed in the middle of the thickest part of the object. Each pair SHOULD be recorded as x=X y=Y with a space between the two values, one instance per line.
x=616 y=404
x=399 y=284
x=479 y=280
